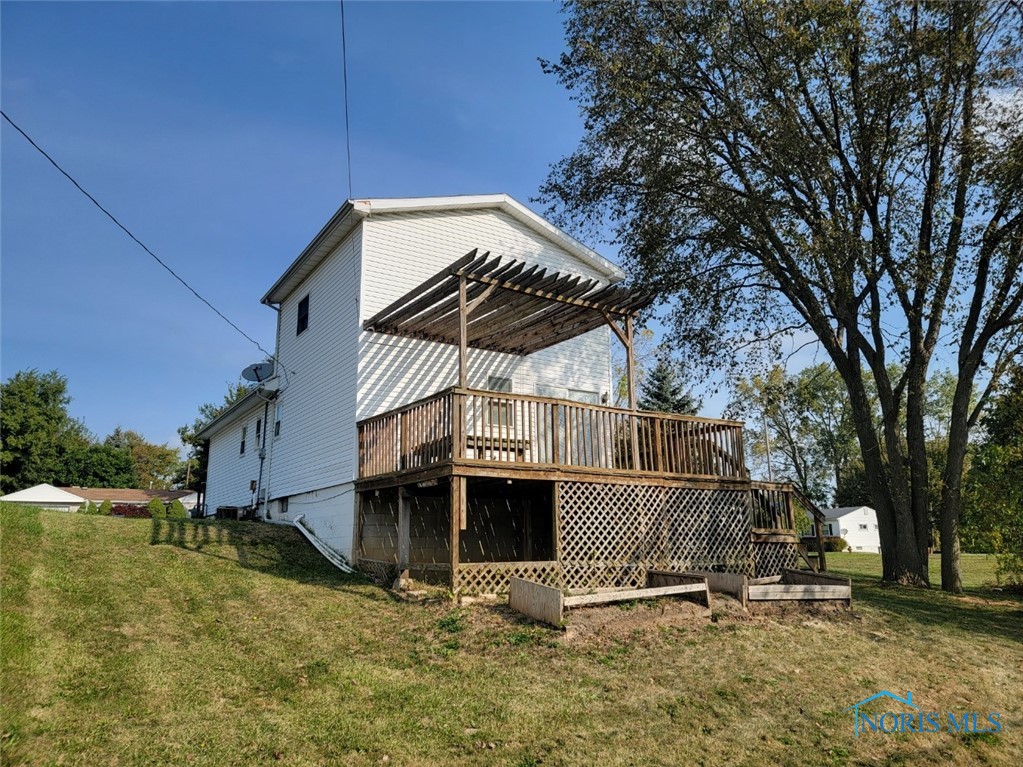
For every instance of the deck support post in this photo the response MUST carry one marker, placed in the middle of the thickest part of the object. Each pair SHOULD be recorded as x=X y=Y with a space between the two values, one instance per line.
x=404 y=527
x=458 y=523
x=818 y=528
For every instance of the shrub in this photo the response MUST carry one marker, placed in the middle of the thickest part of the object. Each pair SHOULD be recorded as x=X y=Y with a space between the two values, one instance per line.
x=156 y=509
x=177 y=510
x=84 y=508
x=126 y=510
x=106 y=508
x=835 y=543
x=93 y=508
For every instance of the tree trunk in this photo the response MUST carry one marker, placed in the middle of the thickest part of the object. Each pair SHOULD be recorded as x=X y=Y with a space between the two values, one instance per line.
x=951 y=482
x=888 y=484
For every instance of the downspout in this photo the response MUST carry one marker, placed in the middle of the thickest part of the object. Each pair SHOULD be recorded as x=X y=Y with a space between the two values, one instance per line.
x=262 y=454
x=329 y=554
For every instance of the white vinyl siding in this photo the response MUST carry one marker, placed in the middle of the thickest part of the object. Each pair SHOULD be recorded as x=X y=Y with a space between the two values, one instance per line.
x=316 y=444
x=403 y=250
x=229 y=474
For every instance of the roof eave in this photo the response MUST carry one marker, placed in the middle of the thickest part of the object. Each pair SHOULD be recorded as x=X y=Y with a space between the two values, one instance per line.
x=353 y=211
x=228 y=416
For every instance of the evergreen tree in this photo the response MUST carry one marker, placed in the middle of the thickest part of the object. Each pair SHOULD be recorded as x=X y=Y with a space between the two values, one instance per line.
x=662 y=391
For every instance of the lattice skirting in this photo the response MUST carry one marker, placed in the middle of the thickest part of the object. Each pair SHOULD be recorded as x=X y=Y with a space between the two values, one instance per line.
x=493 y=577
x=612 y=534
x=382 y=572
x=772 y=558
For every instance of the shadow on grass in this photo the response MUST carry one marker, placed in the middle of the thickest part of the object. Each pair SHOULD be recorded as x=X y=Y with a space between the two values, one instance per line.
x=272 y=549
x=988 y=615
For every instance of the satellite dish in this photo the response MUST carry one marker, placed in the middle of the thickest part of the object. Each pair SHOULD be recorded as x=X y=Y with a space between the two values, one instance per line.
x=258 y=372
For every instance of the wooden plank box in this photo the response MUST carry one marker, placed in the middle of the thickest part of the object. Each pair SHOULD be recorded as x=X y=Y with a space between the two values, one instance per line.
x=548 y=604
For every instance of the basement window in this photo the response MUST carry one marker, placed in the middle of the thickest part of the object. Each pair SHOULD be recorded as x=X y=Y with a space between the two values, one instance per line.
x=303 y=316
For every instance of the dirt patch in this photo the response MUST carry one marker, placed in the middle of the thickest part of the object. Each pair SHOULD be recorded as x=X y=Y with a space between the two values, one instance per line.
x=630 y=620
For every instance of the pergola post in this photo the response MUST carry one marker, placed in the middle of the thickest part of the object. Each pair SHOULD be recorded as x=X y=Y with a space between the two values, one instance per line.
x=463 y=335
x=630 y=357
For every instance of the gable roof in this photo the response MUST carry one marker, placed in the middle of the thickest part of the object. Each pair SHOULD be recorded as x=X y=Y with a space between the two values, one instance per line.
x=242 y=407
x=844 y=511
x=353 y=211
x=128 y=494
x=43 y=493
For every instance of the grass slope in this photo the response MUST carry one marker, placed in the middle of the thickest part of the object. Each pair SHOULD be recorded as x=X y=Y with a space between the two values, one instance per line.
x=135 y=642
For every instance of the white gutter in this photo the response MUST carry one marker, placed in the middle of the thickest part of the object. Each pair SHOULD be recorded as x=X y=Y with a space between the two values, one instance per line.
x=332 y=556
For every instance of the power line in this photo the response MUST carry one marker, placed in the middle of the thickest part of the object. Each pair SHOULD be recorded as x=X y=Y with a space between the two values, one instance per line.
x=141 y=244
x=344 y=68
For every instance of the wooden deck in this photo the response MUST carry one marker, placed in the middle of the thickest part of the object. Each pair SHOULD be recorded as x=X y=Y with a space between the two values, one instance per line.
x=474 y=429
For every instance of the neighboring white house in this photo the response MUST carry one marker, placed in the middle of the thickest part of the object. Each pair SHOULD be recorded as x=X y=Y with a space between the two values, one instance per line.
x=294 y=443
x=46 y=497
x=856 y=524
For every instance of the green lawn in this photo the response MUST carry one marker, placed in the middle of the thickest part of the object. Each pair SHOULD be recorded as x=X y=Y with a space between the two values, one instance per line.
x=978 y=570
x=134 y=642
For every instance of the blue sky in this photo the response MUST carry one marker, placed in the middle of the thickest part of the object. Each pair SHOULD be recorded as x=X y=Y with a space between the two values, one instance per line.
x=215 y=131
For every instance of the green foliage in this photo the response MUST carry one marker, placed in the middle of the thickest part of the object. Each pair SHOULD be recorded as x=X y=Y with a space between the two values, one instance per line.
x=155 y=465
x=810 y=426
x=36 y=431
x=156 y=509
x=99 y=465
x=994 y=488
x=177 y=510
x=835 y=543
x=105 y=508
x=84 y=508
x=663 y=391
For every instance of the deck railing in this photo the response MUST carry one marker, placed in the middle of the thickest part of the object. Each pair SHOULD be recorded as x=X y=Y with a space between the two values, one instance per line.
x=491 y=427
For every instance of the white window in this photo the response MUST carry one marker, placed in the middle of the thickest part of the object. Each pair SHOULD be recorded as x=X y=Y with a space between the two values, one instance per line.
x=497 y=383
x=277 y=419
x=302 y=320
x=581 y=395
x=859 y=548
x=500 y=411
x=560 y=392
x=245 y=431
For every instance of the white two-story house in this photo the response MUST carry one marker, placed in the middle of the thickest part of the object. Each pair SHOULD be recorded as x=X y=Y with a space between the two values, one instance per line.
x=439 y=408
x=296 y=446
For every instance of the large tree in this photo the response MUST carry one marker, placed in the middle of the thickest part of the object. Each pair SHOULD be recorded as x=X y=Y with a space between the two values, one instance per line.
x=36 y=430
x=850 y=171
x=155 y=465
x=810 y=437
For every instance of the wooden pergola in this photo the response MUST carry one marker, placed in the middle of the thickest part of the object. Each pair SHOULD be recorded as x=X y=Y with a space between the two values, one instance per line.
x=504 y=305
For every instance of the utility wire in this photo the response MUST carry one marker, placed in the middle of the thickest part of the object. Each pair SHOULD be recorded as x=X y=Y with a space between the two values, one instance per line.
x=141 y=244
x=344 y=68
